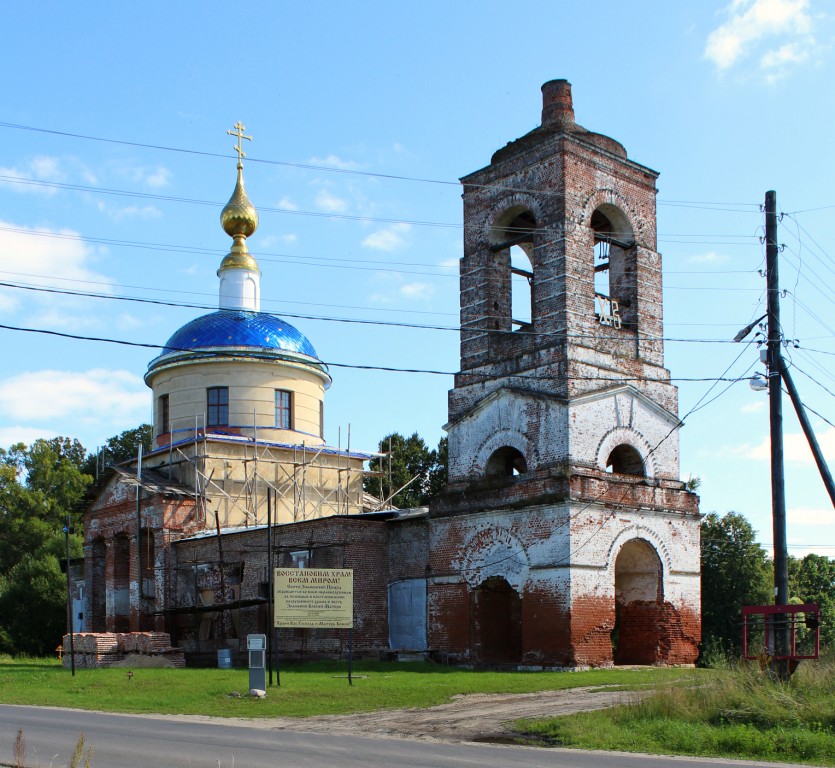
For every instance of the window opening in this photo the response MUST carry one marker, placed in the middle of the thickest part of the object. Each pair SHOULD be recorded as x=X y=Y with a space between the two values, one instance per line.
x=506 y=462
x=613 y=266
x=521 y=289
x=625 y=460
x=217 y=414
x=283 y=409
x=164 y=414
x=515 y=236
x=301 y=558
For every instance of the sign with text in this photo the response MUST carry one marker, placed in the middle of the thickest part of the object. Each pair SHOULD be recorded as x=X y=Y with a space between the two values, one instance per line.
x=314 y=598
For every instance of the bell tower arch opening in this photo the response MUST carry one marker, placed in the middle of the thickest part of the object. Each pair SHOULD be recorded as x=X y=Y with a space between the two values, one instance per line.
x=625 y=460
x=512 y=239
x=615 y=267
x=639 y=598
x=506 y=462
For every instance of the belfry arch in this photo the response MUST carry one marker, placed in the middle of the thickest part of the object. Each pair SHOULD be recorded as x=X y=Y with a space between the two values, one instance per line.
x=615 y=267
x=512 y=240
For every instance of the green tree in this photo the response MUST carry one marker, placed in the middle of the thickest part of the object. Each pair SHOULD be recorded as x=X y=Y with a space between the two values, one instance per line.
x=409 y=470
x=33 y=600
x=40 y=486
x=812 y=580
x=735 y=572
x=122 y=447
x=439 y=472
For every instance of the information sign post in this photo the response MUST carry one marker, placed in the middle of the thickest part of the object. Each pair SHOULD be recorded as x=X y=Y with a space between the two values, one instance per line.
x=315 y=598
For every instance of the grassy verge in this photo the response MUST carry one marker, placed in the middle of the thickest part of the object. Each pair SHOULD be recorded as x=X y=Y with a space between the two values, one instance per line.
x=734 y=712
x=311 y=689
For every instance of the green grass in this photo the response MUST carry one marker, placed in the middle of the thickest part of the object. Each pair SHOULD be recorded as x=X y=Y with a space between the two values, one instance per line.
x=311 y=689
x=735 y=712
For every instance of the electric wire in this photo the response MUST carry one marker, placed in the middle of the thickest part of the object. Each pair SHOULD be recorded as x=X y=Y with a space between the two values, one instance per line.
x=357 y=321
x=731 y=207
x=364 y=367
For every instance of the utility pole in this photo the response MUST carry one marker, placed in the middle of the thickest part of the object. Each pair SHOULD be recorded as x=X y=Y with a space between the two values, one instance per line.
x=774 y=361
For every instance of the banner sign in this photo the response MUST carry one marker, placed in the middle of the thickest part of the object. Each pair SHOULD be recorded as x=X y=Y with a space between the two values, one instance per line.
x=314 y=598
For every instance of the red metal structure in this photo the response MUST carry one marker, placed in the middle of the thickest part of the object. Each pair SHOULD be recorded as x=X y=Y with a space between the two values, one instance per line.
x=760 y=623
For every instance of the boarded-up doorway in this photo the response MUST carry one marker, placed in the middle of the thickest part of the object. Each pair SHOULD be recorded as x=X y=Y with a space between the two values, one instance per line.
x=639 y=595
x=497 y=622
x=121 y=584
x=98 y=588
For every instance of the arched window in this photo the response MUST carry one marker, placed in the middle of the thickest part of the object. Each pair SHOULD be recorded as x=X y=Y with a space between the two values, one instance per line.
x=512 y=237
x=615 y=280
x=625 y=460
x=505 y=462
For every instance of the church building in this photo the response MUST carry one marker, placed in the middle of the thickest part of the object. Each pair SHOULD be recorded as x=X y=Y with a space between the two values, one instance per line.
x=565 y=536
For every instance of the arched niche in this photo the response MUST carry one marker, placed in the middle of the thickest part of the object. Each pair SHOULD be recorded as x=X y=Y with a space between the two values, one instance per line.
x=497 y=622
x=639 y=597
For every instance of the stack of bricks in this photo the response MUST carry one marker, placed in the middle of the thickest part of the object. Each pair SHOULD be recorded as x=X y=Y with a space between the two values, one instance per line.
x=103 y=649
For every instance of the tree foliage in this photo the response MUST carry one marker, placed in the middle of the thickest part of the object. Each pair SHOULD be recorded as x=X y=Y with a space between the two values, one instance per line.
x=812 y=580
x=409 y=474
x=735 y=572
x=122 y=447
x=40 y=485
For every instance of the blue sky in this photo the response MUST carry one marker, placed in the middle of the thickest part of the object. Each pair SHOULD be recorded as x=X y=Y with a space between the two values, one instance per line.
x=725 y=100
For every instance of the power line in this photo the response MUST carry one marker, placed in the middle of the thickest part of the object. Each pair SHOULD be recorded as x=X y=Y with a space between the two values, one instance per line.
x=357 y=321
x=358 y=366
x=349 y=171
x=215 y=204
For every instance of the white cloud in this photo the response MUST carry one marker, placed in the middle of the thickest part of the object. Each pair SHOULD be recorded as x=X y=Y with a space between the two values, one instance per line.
x=52 y=256
x=332 y=161
x=450 y=263
x=47 y=168
x=710 y=257
x=118 y=213
x=779 y=32
x=286 y=204
x=126 y=321
x=796 y=448
x=289 y=238
x=392 y=238
x=20 y=434
x=65 y=314
x=94 y=395
x=807 y=516
x=153 y=177
x=39 y=168
x=330 y=203
x=417 y=290
x=755 y=406
x=161 y=177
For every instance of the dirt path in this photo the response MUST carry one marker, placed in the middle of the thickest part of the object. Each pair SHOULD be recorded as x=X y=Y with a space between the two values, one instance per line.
x=476 y=717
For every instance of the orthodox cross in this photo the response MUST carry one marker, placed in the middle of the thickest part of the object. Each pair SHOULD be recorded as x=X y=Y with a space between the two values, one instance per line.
x=239 y=132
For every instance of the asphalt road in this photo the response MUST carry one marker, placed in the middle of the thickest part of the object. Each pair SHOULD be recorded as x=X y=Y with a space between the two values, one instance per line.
x=128 y=741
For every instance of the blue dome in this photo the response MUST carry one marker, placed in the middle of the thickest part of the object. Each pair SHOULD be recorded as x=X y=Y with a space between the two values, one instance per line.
x=237 y=328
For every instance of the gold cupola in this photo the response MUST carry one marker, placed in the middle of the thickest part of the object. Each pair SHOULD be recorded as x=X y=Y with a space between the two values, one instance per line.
x=239 y=274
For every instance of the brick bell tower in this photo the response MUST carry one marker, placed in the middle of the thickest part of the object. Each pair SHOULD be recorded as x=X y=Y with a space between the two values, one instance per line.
x=565 y=536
